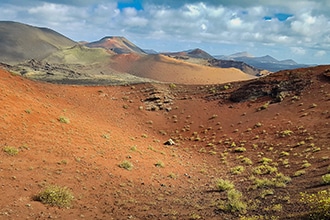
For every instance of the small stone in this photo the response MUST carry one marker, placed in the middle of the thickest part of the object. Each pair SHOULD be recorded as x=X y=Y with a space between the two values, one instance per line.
x=169 y=142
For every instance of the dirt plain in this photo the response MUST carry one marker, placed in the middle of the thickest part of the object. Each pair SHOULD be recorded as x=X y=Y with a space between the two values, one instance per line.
x=111 y=124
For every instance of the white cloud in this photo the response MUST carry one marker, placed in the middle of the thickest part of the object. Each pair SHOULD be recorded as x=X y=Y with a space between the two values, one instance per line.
x=298 y=50
x=130 y=12
x=320 y=53
x=203 y=27
x=234 y=23
x=308 y=25
x=193 y=11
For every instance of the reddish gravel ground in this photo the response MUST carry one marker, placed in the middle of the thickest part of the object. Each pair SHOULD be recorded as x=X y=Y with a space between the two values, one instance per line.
x=111 y=124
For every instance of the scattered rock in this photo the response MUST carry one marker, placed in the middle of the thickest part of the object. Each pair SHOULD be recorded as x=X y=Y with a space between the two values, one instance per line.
x=169 y=142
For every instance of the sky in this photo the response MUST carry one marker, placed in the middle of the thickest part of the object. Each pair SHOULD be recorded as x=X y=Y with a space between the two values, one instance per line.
x=284 y=29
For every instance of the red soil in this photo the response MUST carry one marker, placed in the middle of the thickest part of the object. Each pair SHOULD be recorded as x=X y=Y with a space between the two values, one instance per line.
x=107 y=122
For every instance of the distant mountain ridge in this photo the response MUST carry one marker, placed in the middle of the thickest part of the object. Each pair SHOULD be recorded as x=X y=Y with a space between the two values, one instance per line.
x=192 y=53
x=212 y=61
x=266 y=62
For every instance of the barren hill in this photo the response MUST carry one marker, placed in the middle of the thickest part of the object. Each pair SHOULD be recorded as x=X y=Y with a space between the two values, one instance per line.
x=167 y=69
x=19 y=42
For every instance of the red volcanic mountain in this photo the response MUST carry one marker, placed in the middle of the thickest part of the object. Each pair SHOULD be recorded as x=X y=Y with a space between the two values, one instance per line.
x=119 y=45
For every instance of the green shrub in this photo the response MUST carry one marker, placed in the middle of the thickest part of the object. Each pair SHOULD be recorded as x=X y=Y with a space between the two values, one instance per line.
x=299 y=173
x=172 y=175
x=286 y=133
x=277 y=208
x=263 y=107
x=160 y=164
x=247 y=161
x=264 y=169
x=195 y=216
x=279 y=181
x=172 y=86
x=126 y=165
x=226 y=87
x=64 y=120
x=284 y=153
x=306 y=164
x=106 y=136
x=265 y=160
x=262 y=183
x=266 y=192
x=12 y=151
x=234 y=202
x=28 y=111
x=237 y=170
x=56 y=196
x=326 y=178
x=319 y=204
x=224 y=185
x=240 y=149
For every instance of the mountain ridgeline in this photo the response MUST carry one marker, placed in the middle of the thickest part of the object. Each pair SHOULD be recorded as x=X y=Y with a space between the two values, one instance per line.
x=264 y=62
x=56 y=58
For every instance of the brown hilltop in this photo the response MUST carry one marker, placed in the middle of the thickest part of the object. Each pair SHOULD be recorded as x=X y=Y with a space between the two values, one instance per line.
x=213 y=135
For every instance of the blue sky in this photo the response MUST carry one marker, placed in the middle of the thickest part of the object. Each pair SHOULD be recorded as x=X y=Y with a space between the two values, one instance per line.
x=284 y=29
x=136 y=4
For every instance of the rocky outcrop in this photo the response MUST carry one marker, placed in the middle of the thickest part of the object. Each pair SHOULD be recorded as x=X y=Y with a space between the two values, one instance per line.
x=158 y=99
x=327 y=73
x=277 y=87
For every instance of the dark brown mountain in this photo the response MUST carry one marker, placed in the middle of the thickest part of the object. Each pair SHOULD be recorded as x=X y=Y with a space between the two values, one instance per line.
x=20 y=42
x=194 y=53
x=246 y=68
